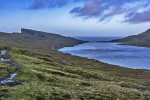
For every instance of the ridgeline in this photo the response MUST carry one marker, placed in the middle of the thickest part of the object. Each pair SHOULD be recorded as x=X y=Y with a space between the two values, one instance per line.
x=52 y=75
x=36 y=40
x=142 y=39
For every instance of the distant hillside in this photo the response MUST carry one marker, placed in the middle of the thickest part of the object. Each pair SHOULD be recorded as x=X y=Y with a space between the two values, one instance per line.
x=142 y=39
x=36 y=40
x=46 y=74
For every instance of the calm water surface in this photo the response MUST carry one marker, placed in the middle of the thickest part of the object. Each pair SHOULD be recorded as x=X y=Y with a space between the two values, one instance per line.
x=112 y=53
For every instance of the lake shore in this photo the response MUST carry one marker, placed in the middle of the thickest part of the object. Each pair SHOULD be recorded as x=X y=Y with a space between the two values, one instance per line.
x=49 y=74
x=112 y=53
x=72 y=73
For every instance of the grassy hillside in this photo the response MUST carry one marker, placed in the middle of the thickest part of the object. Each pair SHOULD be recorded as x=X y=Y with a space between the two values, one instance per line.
x=47 y=78
x=142 y=39
x=36 y=40
x=46 y=74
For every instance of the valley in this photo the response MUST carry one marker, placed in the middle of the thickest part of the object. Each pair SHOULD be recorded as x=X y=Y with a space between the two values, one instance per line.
x=45 y=73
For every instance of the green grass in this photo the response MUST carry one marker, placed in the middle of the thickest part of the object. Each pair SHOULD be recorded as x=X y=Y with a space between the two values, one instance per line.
x=5 y=70
x=48 y=79
x=52 y=75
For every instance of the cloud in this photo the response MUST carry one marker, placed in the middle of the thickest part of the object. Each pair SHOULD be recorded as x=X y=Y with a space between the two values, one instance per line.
x=40 y=4
x=104 y=9
x=90 y=9
x=139 y=17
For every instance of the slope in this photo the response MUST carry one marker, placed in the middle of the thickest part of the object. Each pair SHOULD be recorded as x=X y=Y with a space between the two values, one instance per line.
x=36 y=40
x=142 y=39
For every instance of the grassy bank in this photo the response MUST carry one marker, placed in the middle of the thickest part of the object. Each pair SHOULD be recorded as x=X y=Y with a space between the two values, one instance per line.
x=60 y=76
x=51 y=75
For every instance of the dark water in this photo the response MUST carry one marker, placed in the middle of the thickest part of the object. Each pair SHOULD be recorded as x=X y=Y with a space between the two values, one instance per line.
x=95 y=39
x=112 y=53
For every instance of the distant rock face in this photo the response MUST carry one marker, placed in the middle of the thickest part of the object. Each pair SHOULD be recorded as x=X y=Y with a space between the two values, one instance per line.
x=36 y=40
x=33 y=32
x=27 y=31
x=142 y=39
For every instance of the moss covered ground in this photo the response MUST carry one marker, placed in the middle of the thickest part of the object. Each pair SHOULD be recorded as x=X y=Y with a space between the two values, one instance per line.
x=56 y=77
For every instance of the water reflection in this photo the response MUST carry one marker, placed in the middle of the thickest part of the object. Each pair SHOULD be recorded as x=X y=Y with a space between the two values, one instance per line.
x=112 y=53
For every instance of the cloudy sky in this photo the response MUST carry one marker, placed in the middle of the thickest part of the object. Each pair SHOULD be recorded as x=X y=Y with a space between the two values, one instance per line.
x=76 y=17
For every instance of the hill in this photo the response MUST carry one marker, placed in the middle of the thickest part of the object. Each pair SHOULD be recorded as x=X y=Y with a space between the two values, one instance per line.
x=36 y=40
x=142 y=39
x=46 y=74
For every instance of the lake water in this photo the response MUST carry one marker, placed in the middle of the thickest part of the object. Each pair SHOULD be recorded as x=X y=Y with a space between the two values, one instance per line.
x=95 y=39
x=112 y=53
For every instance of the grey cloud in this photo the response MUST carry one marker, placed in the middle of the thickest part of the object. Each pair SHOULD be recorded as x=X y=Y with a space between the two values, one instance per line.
x=104 y=9
x=40 y=4
x=139 y=17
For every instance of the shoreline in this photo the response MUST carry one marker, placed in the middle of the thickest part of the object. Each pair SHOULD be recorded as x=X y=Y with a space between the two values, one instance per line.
x=102 y=61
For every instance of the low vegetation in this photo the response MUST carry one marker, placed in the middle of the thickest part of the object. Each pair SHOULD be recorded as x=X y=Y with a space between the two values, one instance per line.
x=47 y=78
x=3 y=70
x=46 y=74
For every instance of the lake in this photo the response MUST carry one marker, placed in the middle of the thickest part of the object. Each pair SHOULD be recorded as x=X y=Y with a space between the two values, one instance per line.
x=113 y=53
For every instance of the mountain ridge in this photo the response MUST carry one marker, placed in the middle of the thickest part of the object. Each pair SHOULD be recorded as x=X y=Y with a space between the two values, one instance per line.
x=36 y=40
x=142 y=39
x=47 y=74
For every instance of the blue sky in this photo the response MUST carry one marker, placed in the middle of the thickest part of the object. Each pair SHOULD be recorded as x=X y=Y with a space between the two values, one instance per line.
x=76 y=17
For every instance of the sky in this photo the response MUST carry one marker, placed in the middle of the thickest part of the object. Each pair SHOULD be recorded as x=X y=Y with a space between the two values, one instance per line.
x=76 y=17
